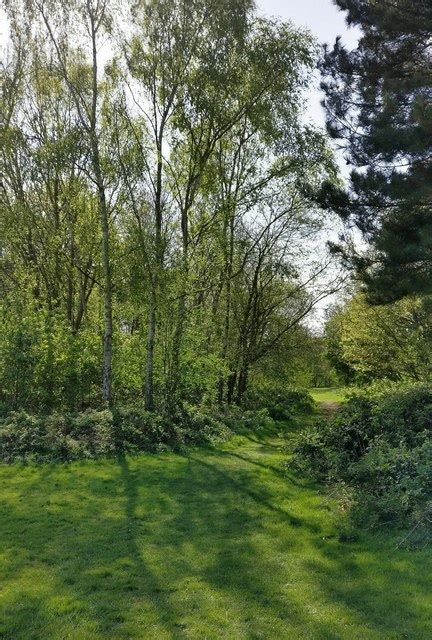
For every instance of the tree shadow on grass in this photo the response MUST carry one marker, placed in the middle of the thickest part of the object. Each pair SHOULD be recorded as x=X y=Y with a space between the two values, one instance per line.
x=268 y=467
x=178 y=529
x=86 y=555
x=29 y=608
x=150 y=583
x=183 y=547
x=387 y=591
x=242 y=483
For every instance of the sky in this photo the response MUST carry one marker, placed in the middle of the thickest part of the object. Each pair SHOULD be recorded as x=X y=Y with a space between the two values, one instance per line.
x=322 y=17
x=324 y=20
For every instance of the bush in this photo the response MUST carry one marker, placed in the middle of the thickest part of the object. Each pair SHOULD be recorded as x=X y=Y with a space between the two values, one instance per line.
x=140 y=430
x=240 y=420
x=22 y=435
x=91 y=434
x=201 y=428
x=56 y=437
x=380 y=446
x=281 y=403
x=392 y=484
x=257 y=420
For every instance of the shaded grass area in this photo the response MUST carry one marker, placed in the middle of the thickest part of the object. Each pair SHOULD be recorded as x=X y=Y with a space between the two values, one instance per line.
x=217 y=543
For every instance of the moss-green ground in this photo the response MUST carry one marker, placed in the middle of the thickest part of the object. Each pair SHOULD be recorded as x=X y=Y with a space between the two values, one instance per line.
x=208 y=545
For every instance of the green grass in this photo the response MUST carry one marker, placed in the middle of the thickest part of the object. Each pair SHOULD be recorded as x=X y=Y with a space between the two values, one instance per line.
x=329 y=394
x=208 y=545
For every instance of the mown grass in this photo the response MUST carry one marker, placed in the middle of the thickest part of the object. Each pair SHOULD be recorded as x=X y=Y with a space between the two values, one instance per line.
x=328 y=394
x=216 y=543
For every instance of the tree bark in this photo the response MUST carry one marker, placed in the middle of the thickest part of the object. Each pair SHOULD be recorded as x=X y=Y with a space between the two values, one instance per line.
x=104 y=222
x=242 y=383
x=107 y=287
x=174 y=383
x=228 y=273
x=231 y=384
x=155 y=280
x=151 y=338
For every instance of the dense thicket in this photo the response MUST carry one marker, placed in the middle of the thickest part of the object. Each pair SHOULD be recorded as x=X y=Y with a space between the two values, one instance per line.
x=157 y=242
x=378 y=451
x=379 y=105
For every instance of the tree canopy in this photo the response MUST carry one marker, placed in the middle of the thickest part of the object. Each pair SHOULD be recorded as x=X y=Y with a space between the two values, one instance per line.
x=160 y=237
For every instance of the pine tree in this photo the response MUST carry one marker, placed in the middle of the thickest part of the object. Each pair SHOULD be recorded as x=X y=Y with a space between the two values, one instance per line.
x=379 y=104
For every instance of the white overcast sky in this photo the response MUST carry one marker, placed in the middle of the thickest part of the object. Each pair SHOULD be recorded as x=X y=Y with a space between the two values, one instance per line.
x=324 y=20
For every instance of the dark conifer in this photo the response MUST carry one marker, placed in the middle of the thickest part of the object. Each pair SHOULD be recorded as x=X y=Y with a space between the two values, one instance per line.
x=379 y=104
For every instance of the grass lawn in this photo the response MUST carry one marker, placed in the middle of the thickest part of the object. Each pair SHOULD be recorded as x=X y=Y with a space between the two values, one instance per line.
x=328 y=394
x=208 y=545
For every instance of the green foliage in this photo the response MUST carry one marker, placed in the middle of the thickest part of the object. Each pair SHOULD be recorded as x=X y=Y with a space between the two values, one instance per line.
x=92 y=434
x=391 y=342
x=393 y=483
x=380 y=445
x=256 y=419
x=56 y=437
x=44 y=365
x=281 y=403
x=334 y=351
x=300 y=361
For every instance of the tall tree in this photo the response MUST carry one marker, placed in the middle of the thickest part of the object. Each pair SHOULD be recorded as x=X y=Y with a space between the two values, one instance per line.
x=200 y=69
x=78 y=64
x=182 y=168
x=379 y=104
x=166 y=55
x=48 y=224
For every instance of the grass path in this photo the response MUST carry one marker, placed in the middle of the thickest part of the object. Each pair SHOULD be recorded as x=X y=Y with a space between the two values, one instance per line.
x=329 y=395
x=209 y=545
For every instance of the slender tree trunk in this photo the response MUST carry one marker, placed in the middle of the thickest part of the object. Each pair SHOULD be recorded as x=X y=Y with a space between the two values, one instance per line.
x=89 y=118
x=151 y=338
x=154 y=281
x=107 y=296
x=242 y=383
x=231 y=384
x=104 y=222
x=177 y=346
x=181 y=314
x=227 y=322
x=70 y=292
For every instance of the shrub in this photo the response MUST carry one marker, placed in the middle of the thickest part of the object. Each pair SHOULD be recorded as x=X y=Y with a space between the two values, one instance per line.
x=404 y=415
x=56 y=437
x=22 y=435
x=281 y=403
x=91 y=434
x=94 y=431
x=392 y=484
x=380 y=446
x=140 y=430
x=199 y=427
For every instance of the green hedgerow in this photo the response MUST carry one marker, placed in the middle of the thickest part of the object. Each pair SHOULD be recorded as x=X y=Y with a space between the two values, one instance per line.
x=379 y=445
